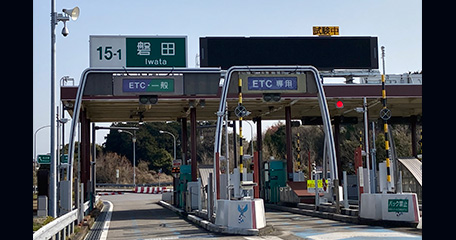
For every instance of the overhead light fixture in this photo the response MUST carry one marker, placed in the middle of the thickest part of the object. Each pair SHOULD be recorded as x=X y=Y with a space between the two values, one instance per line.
x=148 y=99
x=268 y=97
x=202 y=103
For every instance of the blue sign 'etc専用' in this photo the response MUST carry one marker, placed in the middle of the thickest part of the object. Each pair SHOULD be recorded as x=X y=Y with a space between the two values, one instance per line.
x=272 y=83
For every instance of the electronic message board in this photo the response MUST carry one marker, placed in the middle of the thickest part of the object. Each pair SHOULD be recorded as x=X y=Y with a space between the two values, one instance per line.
x=324 y=53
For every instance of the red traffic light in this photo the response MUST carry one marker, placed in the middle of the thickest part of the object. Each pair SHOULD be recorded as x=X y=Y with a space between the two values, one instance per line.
x=339 y=104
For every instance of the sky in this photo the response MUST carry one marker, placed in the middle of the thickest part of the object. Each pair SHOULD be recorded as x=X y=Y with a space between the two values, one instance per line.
x=397 y=24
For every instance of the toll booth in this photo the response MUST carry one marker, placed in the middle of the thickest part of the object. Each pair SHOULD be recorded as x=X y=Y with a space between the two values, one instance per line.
x=276 y=179
x=184 y=177
x=43 y=185
x=43 y=180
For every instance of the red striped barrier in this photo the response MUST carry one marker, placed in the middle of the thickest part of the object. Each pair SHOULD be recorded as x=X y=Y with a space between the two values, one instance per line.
x=152 y=190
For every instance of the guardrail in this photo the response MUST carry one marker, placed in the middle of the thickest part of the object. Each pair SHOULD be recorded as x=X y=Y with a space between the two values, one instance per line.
x=60 y=227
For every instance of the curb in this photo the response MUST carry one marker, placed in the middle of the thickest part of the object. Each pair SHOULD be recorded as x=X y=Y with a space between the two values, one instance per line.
x=179 y=212
x=213 y=227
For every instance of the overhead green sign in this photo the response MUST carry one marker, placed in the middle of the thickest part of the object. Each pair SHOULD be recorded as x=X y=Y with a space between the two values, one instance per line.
x=44 y=159
x=156 y=52
x=138 y=51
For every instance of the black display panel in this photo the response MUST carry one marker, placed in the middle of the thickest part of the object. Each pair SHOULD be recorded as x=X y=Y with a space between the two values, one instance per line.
x=324 y=53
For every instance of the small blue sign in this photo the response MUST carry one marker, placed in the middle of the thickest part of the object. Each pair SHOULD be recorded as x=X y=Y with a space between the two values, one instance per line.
x=148 y=85
x=272 y=83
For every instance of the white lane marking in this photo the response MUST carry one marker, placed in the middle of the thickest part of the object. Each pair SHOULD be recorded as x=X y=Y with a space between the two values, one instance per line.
x=104 y=233
x=263 y=238
x=363 y=234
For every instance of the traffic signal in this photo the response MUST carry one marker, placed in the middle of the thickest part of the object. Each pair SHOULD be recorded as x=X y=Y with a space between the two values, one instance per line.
x=267 y=97
x=339 y=104
x=251 y=166
x=175 y=170
x=148 y=99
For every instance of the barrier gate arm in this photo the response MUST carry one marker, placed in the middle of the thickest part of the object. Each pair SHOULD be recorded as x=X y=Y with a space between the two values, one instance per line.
x=321 y=102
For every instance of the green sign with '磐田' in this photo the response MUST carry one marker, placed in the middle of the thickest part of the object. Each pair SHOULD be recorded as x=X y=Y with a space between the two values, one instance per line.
x=156 y=52
x=138 y=51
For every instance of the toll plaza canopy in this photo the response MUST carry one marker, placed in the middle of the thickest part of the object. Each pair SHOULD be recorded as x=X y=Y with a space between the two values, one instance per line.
x=172 y=94
x=113 y=95
x=145 y=78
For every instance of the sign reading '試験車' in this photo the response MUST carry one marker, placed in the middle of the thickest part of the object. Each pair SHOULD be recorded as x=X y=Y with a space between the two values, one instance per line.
x=138 y=51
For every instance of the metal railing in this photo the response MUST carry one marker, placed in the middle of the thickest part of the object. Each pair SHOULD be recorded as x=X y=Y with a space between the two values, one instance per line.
x=61 y=227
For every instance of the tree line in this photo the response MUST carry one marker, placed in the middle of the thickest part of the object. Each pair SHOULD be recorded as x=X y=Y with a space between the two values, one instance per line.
x=154 y=150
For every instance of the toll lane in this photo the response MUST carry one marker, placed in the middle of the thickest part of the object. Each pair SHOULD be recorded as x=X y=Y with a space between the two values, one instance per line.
x=314 y=228
x=138 y=216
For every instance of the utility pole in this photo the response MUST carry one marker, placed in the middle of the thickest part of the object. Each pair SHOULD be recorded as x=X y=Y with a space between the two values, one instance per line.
x=53 y=170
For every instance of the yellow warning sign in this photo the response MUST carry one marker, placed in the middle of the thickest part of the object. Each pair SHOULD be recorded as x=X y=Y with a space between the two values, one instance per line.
x=325 y=30
x=311 y=183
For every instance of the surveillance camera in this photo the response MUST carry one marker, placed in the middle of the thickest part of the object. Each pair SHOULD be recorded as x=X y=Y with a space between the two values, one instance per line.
x=65 y=31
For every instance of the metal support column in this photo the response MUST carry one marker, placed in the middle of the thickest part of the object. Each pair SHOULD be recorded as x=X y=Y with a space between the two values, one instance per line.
x=53 y=168
x=256 y=175
x=193 y=142
x=241 y=149
x=289 y=143
x=93 y=177
x=259 y=142
x=413 y=121
x=85 y=153
x=366 y=143
x=234 y=145
x=184 y=139
x=337 y=145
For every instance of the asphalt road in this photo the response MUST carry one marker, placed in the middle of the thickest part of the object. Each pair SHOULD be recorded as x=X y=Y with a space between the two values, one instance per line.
x=306 y=227
x=138 y=216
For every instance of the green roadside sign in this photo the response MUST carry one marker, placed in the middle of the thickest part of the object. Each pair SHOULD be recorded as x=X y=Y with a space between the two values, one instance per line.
x=397 y=205
x=64 y=158
x=44 y=159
